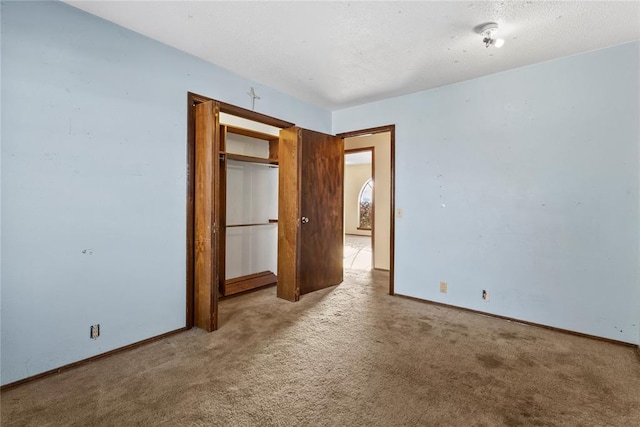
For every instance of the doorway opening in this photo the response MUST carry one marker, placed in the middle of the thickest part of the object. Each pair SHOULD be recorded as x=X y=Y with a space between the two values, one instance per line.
x=380 y=209
x=284 y=187
x=228 y=146
x=359 y=208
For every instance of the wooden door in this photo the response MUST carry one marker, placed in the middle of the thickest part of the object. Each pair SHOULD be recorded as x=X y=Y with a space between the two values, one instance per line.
x=310 y=212
x=206 y=215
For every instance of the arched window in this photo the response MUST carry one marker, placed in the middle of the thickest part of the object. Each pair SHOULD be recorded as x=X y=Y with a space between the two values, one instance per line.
x=365 y=206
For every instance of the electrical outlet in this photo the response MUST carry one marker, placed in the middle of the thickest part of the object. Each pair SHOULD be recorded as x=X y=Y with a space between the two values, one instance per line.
x=443 y=287
x=485 y=295
x=95 y=331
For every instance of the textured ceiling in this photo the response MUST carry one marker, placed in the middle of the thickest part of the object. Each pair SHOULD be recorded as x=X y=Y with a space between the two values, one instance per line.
x=339 y=54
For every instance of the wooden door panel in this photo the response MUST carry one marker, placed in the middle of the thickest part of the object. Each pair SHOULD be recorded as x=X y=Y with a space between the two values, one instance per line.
x=321 y=210
x=205 y=271
x=288 y=214
x=222 y=210
x=310 y=212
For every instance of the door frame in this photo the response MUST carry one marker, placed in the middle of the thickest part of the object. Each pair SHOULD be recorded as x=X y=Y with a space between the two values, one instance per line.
x=392 y=196
x=372 y=150
x=192 y=100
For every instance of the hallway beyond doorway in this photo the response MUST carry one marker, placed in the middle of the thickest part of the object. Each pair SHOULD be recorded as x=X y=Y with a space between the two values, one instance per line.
x=357 y=252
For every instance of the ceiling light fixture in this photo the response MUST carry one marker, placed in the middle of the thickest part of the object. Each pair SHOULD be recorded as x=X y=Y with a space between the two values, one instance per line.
x=487 y=32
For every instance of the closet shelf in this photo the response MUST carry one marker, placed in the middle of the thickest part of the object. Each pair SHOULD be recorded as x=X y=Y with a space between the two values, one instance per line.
x=271 y=222
x=249 y=159
x=251 y=133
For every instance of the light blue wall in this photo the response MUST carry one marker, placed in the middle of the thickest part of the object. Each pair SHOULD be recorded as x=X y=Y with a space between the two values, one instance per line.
x=94 y=181
x=524 y=183
x=0 y=193
x=537 y=169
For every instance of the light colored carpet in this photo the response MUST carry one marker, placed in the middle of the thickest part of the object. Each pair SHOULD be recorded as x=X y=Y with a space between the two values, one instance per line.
x=346 y=356
x=357 y=252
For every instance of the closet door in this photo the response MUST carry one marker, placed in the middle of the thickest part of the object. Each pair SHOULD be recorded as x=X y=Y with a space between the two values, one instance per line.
x=206 y=213
x=310 y=217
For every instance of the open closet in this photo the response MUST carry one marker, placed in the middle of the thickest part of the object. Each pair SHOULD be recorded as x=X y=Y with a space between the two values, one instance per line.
x=265 y=207
x=249 y=206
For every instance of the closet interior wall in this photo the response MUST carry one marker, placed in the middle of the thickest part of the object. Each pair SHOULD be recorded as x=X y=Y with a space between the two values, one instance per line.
x=249 y=191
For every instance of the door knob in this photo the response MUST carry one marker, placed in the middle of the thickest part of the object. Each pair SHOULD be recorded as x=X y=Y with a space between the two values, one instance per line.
x=305 y=220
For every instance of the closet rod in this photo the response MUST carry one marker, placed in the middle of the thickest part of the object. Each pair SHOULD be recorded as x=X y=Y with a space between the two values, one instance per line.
x=250 y=159
x=271 y=222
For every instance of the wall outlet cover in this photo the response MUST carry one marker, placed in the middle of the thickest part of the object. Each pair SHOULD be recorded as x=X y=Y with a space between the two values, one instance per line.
x=94 y=332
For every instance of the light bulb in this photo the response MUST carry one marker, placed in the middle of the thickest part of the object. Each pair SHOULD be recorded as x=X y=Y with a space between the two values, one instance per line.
x=499 y=43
